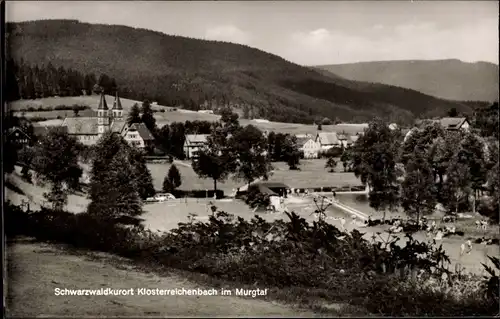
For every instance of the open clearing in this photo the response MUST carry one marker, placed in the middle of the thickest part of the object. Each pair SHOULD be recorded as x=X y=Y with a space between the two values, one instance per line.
x=35 y=270
x=168 y=116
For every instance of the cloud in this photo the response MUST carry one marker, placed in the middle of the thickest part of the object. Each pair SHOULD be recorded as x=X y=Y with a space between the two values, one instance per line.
x=228 y=33
x=424 y=40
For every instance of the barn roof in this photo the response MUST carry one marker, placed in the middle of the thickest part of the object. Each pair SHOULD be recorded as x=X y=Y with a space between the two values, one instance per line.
x=328 y=138
x=272 y=184
x=143 y=131
x=196 y=138
x=452 y=122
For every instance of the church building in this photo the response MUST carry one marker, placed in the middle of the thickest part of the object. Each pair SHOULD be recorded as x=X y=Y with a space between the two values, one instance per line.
x=88 y=130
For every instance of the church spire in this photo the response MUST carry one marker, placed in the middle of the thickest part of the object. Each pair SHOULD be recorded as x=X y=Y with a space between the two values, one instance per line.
x=102 y=103
x=117 y=104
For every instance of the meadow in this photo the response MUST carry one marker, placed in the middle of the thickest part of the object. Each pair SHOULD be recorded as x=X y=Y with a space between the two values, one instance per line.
x=312 y=174
x=169 y=116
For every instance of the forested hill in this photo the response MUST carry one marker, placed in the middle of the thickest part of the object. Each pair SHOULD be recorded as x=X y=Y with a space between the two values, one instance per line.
x=448 y=79
x=176 y=70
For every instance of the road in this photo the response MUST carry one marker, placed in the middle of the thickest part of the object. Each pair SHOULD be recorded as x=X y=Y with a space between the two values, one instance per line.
x=35 y=270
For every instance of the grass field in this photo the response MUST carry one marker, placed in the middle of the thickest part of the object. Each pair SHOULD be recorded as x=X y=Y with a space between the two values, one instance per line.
x=312 y=174
x=168 y=116
x=165 y=216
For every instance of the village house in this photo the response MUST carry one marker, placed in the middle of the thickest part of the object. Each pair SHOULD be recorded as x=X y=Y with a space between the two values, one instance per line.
x=88 y=130
x=448 y=123
x=18 y=136
x=345 y=140
x=193 y=143
x=455 y=123
x=309 y=147
x=327 y=140
x=138 y=135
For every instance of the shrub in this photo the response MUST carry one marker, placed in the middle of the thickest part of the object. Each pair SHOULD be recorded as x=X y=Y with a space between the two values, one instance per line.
x=318 y=256
x=254 y=198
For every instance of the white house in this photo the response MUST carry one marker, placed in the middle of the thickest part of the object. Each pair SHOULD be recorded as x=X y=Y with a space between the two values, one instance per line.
x=328 y=140
x=138 y=135
x=455 y=123
x=193 y=143
x=309 y=147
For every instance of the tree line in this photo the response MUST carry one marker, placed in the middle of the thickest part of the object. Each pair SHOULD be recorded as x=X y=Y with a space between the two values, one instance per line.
x=25 y=81
x=457 y=169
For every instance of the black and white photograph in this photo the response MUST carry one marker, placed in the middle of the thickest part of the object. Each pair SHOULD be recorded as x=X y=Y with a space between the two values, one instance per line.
x=250 y=159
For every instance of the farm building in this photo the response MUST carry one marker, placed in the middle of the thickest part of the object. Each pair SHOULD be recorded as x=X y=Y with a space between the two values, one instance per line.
x=328 y=140
x=269 y=188
x=193 y=143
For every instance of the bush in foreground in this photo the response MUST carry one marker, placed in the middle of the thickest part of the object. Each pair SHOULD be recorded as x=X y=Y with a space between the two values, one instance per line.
x=343 y=267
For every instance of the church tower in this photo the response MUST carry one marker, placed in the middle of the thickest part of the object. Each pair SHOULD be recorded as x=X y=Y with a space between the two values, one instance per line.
x=102 y=116
x=117 y=108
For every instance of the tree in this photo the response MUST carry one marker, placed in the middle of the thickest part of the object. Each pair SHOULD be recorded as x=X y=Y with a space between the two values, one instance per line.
x=148 y=116
x=97 y=89
x=457 y=187
x=113 y=179
x=249 y=147
x=453 y=112
x=345 y=158
x=374 y=158
x=471 y=153
x=485 y=120
x=331 y=164
x=211 y=165
x=134 y=116
x=56 y=162
x=142 y=175
x=9 y=154
x=168 y=187
x=418 y=195
x=291 y=152
x=174 y=176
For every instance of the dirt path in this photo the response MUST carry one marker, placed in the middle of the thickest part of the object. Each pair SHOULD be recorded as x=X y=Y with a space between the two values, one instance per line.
x=35 y=270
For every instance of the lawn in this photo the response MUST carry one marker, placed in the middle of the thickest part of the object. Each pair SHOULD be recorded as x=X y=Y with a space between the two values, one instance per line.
x=313 y=174
x=190 y=181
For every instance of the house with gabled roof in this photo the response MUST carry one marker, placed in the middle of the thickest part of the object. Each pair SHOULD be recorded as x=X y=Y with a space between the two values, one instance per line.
x=455 y=123
x=18 y=136
x=309 y=147
x=193 y=143
x=138 y=135
x=328 y=140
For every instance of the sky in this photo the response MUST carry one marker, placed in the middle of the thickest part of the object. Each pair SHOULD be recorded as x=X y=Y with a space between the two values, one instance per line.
x=304 y=32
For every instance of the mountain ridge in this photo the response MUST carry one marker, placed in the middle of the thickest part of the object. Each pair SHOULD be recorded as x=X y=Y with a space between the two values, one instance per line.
x=176 y=70
x=450 y=79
